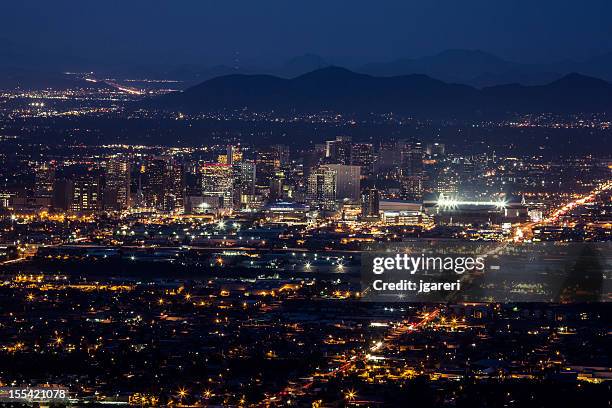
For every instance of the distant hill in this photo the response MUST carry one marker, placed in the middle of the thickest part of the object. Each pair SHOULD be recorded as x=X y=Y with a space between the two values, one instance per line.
x=572 y=93
x=194 y=74
x=469 y=67
x=479 y=68
x=476 y=68
x=338 y=89
x=452 y=66
x=301 y=65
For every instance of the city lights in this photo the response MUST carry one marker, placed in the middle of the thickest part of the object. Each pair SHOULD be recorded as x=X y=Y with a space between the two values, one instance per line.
x=202 y=233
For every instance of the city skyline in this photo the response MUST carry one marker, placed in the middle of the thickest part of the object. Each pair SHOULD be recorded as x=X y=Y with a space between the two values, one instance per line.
x=311 y=205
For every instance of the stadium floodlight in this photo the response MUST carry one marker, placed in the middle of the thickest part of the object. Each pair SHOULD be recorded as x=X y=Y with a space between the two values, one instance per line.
x=451 y=203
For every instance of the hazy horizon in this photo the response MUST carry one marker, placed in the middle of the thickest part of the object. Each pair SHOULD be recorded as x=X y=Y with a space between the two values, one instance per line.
x=240 y=33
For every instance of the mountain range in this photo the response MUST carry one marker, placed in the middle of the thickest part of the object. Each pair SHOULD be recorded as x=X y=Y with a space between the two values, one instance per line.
x=469 y=67
x=479 y=68
x=341 y=90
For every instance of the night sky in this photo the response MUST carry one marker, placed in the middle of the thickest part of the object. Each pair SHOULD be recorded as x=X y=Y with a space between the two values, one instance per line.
x=268 y=31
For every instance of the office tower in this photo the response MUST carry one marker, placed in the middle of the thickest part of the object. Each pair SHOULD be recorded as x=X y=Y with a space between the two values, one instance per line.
x=281 y=154
x=362 y=155
x=276 y=186
x=173 y=186
x=370 y=203
x=267 y=163
x=163 y=184
x=233 y=155
x=63 y=190
x=193 y=182
x=152 y=173
x=339 y=151
x=447 y=181
x=388 y=157
x=86 y=193
x=322 y=188
x=412 y=174
x=412 y=158
x=44 y=179
x=118 y=180
x=412 y=187
x=218 y=184
x=347 y=181
x=244 y=178
x=333 y=182
x=244 y=174
x=5 y=199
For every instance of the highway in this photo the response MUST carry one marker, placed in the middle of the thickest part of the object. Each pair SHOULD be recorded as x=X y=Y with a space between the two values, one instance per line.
x=525 y=231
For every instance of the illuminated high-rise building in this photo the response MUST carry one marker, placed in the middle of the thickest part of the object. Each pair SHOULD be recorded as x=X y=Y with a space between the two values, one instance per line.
x=347 y=181
x=412 y=158
x=232 y=155
x=276 y=185
x=193 y=181
x=412 y=187
x=388 y=156
x=339 y=151
x=86 y=193
x=412 y=173
x=370 y=203
x=173 y=186
x=218 y=183
x=447 y=181
x=152 y=175
x=245 y=177
x=281 y=154
x=163 y=184
x=362 y=155
x=244 y=181
x=331 y=183
x=322 y=188
x=118 y=179
x=44 y=179
x=267 y=163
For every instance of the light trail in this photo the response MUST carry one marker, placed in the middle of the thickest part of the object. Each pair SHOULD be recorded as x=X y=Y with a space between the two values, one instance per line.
x=122 y=88
x=359 y=356
x=566 y=208
x=11 y=261
x=525 y=231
